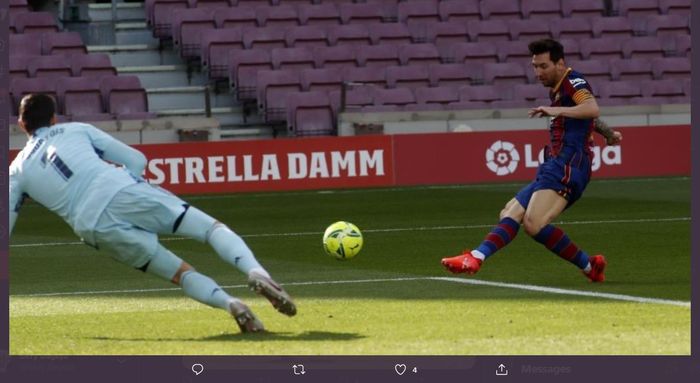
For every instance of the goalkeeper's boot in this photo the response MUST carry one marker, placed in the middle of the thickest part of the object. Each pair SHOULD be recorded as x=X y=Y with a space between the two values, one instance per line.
x=274 y=293
x=598 y=264
x=246 y=320
x=463 y=263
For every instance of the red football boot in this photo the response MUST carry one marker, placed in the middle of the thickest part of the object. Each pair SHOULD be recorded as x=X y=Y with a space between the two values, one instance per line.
x=598 y=264
x=463 y=263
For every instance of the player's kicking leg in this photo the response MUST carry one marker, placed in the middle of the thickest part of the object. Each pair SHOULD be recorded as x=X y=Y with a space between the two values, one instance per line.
x=470 y=261
x=230 y=247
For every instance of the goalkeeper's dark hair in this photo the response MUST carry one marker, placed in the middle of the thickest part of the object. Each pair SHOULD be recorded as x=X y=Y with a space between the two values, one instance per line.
x=36 y=111
x=553 y=47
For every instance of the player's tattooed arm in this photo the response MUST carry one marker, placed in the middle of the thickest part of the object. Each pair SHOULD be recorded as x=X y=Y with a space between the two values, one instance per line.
x=612 y=137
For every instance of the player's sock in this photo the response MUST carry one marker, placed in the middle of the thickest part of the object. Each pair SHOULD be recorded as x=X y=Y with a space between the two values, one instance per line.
x=559 y=243
x=232 y=249
x=203 y=289
x=499 y=236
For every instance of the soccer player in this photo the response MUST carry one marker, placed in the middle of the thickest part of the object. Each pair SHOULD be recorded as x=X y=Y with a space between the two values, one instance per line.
x=94 y=183
x=561 y=178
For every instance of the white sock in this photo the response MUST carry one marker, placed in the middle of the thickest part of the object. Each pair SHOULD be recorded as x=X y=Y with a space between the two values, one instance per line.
x=203 y=289
x=478 y=255
x=588 y=268
x=232 y=249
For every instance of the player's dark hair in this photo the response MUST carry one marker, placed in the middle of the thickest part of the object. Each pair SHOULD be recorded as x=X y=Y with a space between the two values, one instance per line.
x=553 y=47
x=36 y=111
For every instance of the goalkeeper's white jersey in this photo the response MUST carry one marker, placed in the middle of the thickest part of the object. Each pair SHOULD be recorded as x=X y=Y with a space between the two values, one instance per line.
x=64 y=168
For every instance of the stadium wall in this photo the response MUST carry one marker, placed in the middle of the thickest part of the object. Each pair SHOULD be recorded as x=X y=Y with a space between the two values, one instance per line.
x=398 y=160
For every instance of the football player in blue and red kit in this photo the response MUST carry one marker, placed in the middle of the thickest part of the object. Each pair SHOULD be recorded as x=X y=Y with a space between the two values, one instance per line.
x=561 y=178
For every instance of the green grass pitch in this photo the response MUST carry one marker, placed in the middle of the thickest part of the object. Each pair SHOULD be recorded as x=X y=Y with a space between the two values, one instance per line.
x=67 y=298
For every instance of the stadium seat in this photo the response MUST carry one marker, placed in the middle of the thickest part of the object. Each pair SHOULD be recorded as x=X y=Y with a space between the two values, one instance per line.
x=682 y=46
x=437 y=98
x=686 y=86
x=529 y=30
x=389 y=33
x=320 y=15
x=35 y=22
x=675 y=7
x=82 y=99
x=278 y=16
x=124 y=97
x=488 y=31
x=668 y=25
x=161 y=15
x=572 y=49
x=391 y=99
x=412 y=76
x=92 y=65
x=582 y=8
x=64 y=43
x=619 y=92
x=310 y=113
x=479 y=96
x=603 y=48
x=19 y=66
x=273 y=86
x=501 y=9
x=243 y=67
x=665 y=91
x=351 y=13
x=476 y=53
x=578 y=28
x=595 y=71
x=671 y=68
x=612 y=27
x=459 y=11
x=353 y=34
x=378 y=55
x=446 y=33
x=188 y=25
x=253 y=3
x=308 y=36
x=336 y=57
x=50 y=66
x=540 y=9
x=326 y=79
x=419 y=54
x=529 y=93
x=647 y=47
x=418 y=11
x=24 y=45
x=631 y=69
x=442 y=75
x=212 y=4
x=365 y=75
x=357 y=97
x=292 y=58
x=267 y=38
x=236 y=17
x=216 y=45
x=514 y=51
x=19 y=87
x=636 y=8
x=505 y=74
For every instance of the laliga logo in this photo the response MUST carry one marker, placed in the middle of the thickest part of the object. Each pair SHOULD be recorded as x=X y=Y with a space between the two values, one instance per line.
x=502 y=158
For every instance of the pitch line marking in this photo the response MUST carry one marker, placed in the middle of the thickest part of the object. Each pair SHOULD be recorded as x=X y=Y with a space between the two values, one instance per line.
x=515 y=286
x=391 y=230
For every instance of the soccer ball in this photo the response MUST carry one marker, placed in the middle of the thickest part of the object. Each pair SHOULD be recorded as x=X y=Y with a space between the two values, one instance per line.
x=342 y=240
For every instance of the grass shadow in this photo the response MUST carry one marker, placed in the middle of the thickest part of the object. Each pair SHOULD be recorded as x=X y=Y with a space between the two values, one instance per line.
x=237 y=337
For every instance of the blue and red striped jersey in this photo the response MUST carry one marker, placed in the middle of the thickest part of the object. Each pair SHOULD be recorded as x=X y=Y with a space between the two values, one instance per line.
x=570 y=134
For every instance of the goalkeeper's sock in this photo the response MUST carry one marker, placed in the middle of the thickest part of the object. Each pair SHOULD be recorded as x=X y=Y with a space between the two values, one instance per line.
x=554 y=239
x=203 y=289
x=233 y=250
x=501 y=235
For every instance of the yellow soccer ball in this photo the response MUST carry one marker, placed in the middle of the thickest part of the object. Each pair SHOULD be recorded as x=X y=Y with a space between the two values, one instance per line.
x=342 y=240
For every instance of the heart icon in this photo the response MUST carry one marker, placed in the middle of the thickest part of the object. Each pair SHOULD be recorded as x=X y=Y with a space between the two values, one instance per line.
x=400 y=368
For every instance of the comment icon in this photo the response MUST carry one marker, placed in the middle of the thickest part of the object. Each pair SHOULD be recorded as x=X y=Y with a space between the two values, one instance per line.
x=197 y=368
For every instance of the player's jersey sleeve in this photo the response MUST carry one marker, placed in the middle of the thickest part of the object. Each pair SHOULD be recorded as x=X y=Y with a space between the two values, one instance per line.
x=580 y=88
x=16 y=194
x=113 y=150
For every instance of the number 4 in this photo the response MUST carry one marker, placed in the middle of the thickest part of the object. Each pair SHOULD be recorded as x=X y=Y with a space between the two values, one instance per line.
x=415 y=370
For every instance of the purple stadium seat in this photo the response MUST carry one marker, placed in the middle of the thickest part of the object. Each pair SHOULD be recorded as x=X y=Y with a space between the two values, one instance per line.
x=327 y=79
x=24 y=45
x=21 y=87
x=50 y=66
x=612 y=27
x=667 y=91
x=267 y=38
x=378 y=55
x=321 y=15
x=603 y=48
x=595 y=71
x=682 y=45
x=351 y=13
x=203 y=4
x=582 y=8
x=501 y=9
x=64 y=43
x=471 y=53
x=310 y=114
x=671 y=68
x=478 y=96
x=686 y=86
x=236 y=17
x=216 y=45
x=572 y=49
x=437 y=97
x=365 y=75
x=19 y=66
x=354 y=34
x=279 y=16
x=419 y=54
x=446 y=33
x=418 y=11
x=308 y=36
x=389 y=33
x=292 y=58
x=529 y=30
x=412 y=76
x=273 y=87
x=636 y=8
x=540 y=9
x=647 y=47
x=92 y=65
x=675 y=7
x=81 y=98
x=243 y=67
x=488 y=30
x=35 y=22
x=578 y=28
x=460 y=11
x=336 y=57
x=631 y=69
x=124 y=97
x=665 y=25
x=188 y=24
x=514 y=51
x=253 y=3
x=505 y=73
x=357 y=97
x=529 y=93
x=455 y=74
x=161 y=16
x=392 y=99
x=619 y=92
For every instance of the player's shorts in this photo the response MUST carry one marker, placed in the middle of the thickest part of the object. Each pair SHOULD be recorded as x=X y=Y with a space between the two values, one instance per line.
x=129 y=226
x=569 y=179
